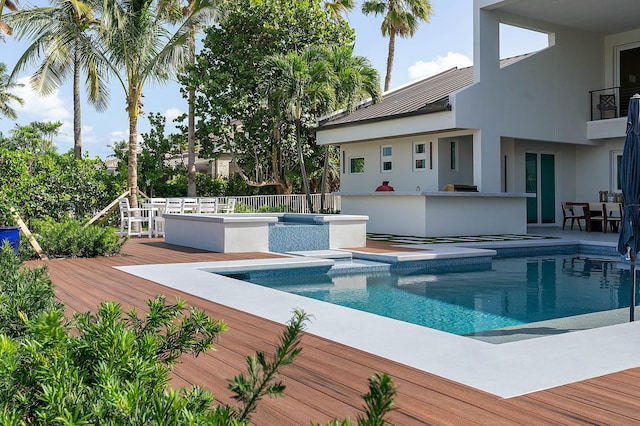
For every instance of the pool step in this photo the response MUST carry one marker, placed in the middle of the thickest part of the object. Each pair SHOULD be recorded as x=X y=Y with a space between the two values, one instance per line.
x=322 y=254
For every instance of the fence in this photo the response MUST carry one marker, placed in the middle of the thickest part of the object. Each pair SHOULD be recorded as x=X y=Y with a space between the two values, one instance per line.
x=295 y=203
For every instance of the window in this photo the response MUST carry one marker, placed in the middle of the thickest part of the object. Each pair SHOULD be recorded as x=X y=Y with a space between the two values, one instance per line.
x=419 y=156
x=386 y=158
x=454 y=155
x=616 y=160
x=357 y=165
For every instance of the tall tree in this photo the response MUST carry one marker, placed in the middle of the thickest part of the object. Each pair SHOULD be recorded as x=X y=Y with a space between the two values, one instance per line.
x=191 y=99
x=232 y=115
x=356 y=80
x=336 y=8
x=141 y=47
x=401 y=18
x=299 y=85
x=4 y=27
x=6 y=96
x=64 y=41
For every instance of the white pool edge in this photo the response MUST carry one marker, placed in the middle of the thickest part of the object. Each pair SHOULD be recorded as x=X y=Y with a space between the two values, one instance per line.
x=505 y=370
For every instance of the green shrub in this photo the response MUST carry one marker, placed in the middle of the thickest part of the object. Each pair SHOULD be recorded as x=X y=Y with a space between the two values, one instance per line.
x=24 y=294
x=112 y=368
x=71 y=238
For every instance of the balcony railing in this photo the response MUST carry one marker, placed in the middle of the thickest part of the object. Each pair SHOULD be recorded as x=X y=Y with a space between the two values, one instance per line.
x=611 y=102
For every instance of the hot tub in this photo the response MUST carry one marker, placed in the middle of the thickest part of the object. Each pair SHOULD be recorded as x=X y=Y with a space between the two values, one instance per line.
x=275 y=232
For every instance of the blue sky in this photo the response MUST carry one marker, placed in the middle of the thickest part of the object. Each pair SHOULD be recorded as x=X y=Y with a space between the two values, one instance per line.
x=445 y=42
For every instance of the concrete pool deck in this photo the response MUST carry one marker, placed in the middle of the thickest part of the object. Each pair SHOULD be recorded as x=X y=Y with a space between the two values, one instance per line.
x=506 y=370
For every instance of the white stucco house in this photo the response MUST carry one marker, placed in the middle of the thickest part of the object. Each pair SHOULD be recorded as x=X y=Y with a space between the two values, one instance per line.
x=528 y=132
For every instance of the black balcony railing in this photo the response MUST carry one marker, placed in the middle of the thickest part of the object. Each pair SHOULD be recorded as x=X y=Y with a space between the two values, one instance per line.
x=611 y=102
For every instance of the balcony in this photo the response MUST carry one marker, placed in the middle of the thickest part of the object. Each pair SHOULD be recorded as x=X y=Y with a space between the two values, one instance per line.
x=612 y=102
x=609 y=109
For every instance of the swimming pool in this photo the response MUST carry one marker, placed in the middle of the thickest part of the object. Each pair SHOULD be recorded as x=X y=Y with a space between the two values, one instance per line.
x=510 y=293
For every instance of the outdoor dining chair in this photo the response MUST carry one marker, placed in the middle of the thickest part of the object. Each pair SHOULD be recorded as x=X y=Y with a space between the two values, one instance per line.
x=131 y=218
x=207 y=205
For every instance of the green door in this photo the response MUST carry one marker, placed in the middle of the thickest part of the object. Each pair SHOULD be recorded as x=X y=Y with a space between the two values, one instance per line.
x=540 y=180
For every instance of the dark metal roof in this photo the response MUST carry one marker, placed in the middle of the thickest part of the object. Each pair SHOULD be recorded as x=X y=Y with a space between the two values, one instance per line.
x=418 y=97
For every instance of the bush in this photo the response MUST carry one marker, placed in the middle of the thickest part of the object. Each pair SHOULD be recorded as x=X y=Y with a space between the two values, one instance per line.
x=24 y=294
x=113 y=368
x=71 y=238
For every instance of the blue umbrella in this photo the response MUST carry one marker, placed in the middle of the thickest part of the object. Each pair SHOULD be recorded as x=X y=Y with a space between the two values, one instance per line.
x=629 y=242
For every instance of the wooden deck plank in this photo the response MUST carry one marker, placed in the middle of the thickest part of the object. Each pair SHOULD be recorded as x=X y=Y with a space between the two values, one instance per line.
x=328 y=378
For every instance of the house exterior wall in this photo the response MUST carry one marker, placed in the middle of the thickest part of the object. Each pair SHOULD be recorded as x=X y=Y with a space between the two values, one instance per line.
x=403 y=176
x=540 y=104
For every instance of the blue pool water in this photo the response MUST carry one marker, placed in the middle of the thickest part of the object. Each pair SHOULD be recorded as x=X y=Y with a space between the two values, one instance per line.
x=511 y=292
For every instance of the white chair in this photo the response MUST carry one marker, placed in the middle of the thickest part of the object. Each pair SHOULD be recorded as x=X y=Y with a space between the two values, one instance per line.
x=171 y=206
x=156 y=208
x=189 y=205
x=131 y=218
x=207 y=205
x=228 y=207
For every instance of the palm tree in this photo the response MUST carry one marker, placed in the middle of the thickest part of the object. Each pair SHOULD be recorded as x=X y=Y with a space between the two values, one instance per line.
x=191 y=123
x=401 y=17
x=4 y=28
x=301 y=85
x=6 y=96
x=336 y=8
x=62 y=38
x=356 y=80
x=140 y=47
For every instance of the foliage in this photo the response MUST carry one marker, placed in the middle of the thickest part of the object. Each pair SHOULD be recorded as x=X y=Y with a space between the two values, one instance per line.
x=54 y=185
x=143 y=44
x=378 y=403
x=24 y=294
x=113 y=368
x=232 y=114
x=63 y=42
x=71 y=238
x=6 y=216
x=401 y=18
x=5 y=92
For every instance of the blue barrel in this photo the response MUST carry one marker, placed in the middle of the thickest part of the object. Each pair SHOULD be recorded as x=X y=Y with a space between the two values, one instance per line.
x=11 y=234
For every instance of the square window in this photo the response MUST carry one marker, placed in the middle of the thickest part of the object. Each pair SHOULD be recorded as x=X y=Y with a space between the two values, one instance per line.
x=386 y=166
x=419 y=156
x=356 y=165
x=386 y=151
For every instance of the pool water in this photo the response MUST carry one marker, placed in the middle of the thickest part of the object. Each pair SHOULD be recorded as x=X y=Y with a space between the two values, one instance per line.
x=514 y=291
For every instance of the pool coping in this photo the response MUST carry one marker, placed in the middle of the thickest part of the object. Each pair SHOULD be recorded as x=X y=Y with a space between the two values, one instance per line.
x=506 y=370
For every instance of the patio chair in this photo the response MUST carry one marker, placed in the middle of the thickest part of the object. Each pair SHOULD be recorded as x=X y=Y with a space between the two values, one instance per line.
x=228 y=207
x=207 y=205
x=189 y=205
x=613 y=215
x=569 y=213
x=129 y=217
x=171 y=206
x=608 y=104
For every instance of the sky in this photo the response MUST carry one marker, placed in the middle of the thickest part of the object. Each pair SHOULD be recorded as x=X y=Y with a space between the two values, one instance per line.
x=443 y=43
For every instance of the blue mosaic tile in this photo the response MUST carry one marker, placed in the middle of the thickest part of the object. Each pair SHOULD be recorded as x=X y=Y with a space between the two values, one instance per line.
x=288 y=236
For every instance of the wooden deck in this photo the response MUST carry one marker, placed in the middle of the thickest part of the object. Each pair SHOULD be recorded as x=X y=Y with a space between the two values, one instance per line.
x=327 y=379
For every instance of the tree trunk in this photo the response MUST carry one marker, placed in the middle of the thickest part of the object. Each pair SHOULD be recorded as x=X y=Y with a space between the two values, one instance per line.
x=191 y=146
x=303 y=169
x=132 y=178
x=390 y=55
x=77 y=119
x=191 y=134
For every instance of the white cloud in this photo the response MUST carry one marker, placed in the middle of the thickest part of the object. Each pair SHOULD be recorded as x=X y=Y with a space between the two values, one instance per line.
x=41 y=108
x=171 y=114
x=423 y=69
